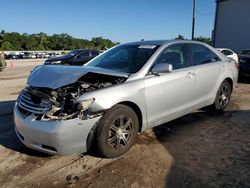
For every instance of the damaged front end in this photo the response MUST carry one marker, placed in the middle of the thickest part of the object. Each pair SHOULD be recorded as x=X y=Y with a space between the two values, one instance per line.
x=62 y=103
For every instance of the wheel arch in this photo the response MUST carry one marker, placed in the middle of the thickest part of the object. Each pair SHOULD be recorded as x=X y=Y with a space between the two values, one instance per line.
x=230 y=81
x=130 y=104
x=137 y=110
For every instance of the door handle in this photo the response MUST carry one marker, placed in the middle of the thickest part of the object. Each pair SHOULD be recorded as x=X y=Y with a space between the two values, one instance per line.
x=221 y=67
x=190 y=75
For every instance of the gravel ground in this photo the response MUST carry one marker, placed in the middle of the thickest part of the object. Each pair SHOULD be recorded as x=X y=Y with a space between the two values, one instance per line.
x=198 y=150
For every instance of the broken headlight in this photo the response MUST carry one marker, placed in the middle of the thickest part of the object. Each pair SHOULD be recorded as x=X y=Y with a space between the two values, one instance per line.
x=85 y=104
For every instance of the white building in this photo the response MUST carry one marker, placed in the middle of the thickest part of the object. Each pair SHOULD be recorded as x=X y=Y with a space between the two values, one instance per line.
x=232 y=24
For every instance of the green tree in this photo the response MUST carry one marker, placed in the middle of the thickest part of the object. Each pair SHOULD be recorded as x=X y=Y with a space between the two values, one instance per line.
x=15 y=39
x=6 y=45
x=204 y=39
x=201 y=39
x=42 y=41
x=180 y=37
x=1 y=38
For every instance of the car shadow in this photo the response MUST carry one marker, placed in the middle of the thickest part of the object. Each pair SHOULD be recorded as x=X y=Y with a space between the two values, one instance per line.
x=8 y=137
x=209 y=149
x=6 y=107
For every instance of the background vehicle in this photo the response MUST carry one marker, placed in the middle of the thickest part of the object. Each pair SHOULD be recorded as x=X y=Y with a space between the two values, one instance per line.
x=127 y=89
x=38 y=55
x=12 y=56
x=28 y=55
x=244 y=59
x=229 y=53
x=2 y=61
x=75 y=57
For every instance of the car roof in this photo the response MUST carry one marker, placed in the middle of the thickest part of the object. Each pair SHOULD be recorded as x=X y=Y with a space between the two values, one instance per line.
x=85 y=49
x=80 y=49
x=161 y=42
x=150 y=42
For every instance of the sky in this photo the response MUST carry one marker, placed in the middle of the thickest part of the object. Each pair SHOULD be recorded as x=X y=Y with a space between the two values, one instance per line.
x=118 y=20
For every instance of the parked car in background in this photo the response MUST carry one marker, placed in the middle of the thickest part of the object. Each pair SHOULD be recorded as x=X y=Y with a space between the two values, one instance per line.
x=31 y=54
x=229 y=53
x=12 y=56
x=28 y=55
x=244 y=59
x=46 y=55
x=75 y=57
x=38 y=55
x=25 y=55
x=2 y=61
x=125 y=90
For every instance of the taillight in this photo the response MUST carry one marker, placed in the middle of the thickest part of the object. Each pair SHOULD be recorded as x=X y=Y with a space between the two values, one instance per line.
x=237 y=65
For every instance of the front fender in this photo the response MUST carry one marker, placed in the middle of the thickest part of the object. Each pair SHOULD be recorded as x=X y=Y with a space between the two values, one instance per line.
x=105 y=98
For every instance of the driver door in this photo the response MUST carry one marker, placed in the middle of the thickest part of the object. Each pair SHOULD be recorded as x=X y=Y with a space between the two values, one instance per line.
x=170 y=95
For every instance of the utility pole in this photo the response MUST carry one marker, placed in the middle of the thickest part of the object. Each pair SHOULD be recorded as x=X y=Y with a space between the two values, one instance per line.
x=193 y=25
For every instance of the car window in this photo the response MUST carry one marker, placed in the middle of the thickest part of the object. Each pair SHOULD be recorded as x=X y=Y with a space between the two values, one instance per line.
x=227 y=52
x=83 y=54
x=122 y=55
x=95 y=53
x=214 y=57
x=124 y=58
x=174 y=55
x=73 y=52
x=202 y=55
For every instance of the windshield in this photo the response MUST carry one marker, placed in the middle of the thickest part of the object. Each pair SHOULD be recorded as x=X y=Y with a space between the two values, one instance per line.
x=125 y=58
x=245 y=52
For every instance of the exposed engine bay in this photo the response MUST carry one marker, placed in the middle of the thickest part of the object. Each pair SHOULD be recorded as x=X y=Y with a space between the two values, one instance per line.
x=62 y=103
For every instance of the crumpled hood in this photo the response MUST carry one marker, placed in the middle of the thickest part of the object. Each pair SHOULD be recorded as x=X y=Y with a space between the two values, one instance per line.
x=54 y=76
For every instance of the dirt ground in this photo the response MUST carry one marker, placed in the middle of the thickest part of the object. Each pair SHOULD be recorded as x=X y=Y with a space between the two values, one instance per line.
x=198 y=150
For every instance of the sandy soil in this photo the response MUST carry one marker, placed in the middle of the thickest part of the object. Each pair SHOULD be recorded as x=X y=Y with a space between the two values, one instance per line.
x=198 y=150
x=14 y=77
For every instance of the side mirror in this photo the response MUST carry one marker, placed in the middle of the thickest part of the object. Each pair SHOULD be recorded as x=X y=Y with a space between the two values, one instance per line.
x=162 y=68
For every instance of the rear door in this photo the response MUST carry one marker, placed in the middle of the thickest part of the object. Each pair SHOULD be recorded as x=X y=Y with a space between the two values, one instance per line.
x=208 y=72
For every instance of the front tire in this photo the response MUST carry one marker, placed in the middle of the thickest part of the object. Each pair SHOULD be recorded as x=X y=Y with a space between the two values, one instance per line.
x=117 y=131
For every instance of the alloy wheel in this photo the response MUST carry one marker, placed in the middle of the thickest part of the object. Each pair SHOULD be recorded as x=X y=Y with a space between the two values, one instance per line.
x=120 y=132
x=224 y=96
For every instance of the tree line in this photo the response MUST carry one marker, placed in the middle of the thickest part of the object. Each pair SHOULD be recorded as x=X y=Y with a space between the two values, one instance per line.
x=200 y=39
x=14 y=41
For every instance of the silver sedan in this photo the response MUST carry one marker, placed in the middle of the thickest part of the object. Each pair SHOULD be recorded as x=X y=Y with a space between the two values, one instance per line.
x=127 y=89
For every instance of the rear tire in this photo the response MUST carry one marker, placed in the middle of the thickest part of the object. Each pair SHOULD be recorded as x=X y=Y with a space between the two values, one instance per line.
x=223 y=97
x=117 y=131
